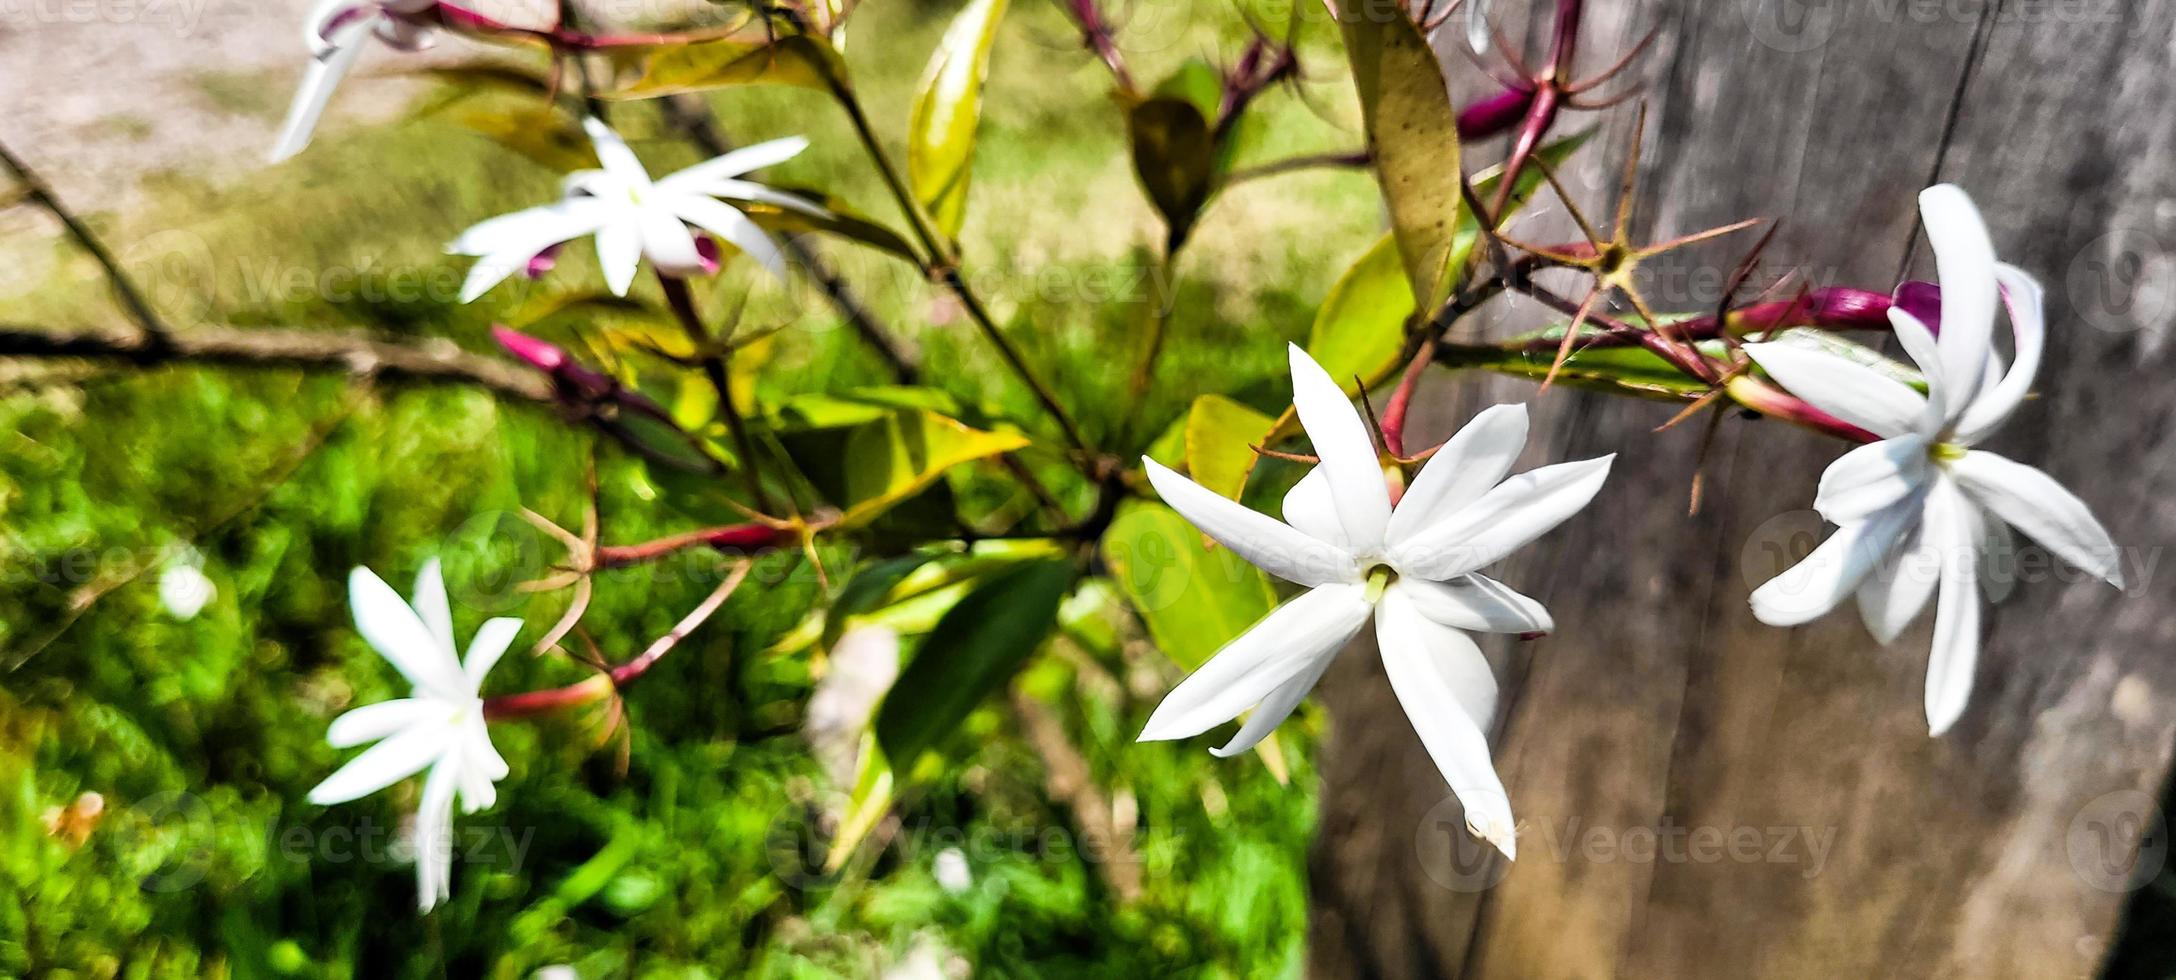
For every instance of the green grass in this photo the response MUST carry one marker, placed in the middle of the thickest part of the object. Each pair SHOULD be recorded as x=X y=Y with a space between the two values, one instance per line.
x=202 y=736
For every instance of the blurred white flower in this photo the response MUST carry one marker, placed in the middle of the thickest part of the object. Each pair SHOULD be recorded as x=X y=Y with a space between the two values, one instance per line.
x=862 y=666
x=440 y=727
x=335 y=34
x=184 y=589
x=1413 y=568
x=634 y=217
x=1921 y=513
x=950 y=869
x=556 y=972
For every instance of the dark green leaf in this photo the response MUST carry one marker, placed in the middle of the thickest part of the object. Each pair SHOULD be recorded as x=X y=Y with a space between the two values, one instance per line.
x=971 y=652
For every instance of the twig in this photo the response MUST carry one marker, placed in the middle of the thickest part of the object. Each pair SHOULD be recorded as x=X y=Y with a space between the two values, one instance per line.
x=124 y=288
x=1068 y=779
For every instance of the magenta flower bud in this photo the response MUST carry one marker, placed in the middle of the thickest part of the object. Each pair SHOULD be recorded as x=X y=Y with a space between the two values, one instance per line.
x=1923 y=300
x=542 y=262
x=1845 y=308
x=553 y=360
x=1494 y=115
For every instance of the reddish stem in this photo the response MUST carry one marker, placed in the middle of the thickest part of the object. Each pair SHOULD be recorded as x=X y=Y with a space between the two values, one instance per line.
x=529 y=703
x=1401 y=400
x=732 y=538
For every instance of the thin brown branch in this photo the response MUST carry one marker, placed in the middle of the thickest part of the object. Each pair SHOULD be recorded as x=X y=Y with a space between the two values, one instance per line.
x=124 y=289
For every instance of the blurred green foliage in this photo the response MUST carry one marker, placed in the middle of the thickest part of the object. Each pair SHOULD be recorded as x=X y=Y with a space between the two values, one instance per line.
x=201 y=737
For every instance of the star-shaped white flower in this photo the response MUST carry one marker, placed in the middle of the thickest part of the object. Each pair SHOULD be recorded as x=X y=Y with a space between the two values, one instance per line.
x=1921 y=512
x=335 y=33
x=440 y=727
x=634 y=217
x=1412 y=567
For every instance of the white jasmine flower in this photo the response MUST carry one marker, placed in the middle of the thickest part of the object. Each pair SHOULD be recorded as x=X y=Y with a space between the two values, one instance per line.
x=184 y=589
x=335 y=34
x=1921 y=513
x=634 y=217
x=950 y=869
x=440 y=727
x=1413 y=568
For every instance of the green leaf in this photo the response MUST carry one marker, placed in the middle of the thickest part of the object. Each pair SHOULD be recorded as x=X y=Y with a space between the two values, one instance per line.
x=536 y=132
x=673 y=68
x=971 y=652
x=866 y=589
x=1194 y=600
x=1360 y=328
x=1618 y=370
x=1174 y=154
x=1413 y=134
x=1220 y=435
x=947 y=108
x=865 y=805
x=868 y=457
x=842 y=221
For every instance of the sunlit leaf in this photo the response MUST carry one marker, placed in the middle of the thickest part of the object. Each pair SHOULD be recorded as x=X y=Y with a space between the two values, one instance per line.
x=1193 y=599
x=534 y=131
x=1220 y=436
x=869 y=456
x=1413 y=134
x=1360 y=327
x=842 y=221
x=866 y=589
x=978 y=644
x=696 y=66
x=866 y=803
x=947 y=109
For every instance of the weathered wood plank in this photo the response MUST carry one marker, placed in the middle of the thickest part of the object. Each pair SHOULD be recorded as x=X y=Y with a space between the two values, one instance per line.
x=1663 y=704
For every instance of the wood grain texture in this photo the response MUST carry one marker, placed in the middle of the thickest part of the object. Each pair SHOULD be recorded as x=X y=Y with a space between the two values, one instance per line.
x=1661 y=707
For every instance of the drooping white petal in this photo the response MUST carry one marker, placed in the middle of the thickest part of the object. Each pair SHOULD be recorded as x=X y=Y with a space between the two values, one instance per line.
x=1517 y=511
x=372 y=722
x=2026 y=300
x=1917 y=339
x=1479 y=603
x=431 y=605
x=754 y=193
x=482 y=755
x=726 y=222
x=1449 y=652
x=1265 y=542
x=325 y=70
x=612 y=152
x=1956 y=613
x=1309 y=507
x=667 y=242
x=1462 y=470
x=2032 y=502
x=1850 y=391
x=485 y=648
x=1292 y=638
x=1807 y=590
x=507 y=243
x=393 y=629
x=1275 y=708
x=434 y=837
x=1893 y=594
x=733 y=163
x=1964 y=259
x=1430 y=673
x=1872 y=477
x=619 y=250
x=479 y=767
x=1348 y=453
x=397 y=757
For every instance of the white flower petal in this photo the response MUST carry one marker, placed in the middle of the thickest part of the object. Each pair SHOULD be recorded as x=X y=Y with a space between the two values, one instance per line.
x=531 y=230
x=1462 y=470
x=1917 y=339
x=1850 y=391
x=1265 y=542
x=485 y=648
x=372 y=722
x=734 y=163
x=1291 y=639
x=1893 y=594
x=1430 y=673
x=1956 y=614
x=1872 y=477
x=434 y=837
x=1964 y=258
x=399 y=756
x=318 y=81
x=393 y=629
x=1348 y=453
x=1309 y=507
x=725 y=221
x=2028 y=322
x=1517 y=511
x=2034 y=503
x=1807 y=590
x=668 y=243
x=431 y=606
x=1477 y=602
x=619 y=251
x=1447 y=651
x=1275 y=708
x=613 y=153
x=482 y=755
x=754 y=193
